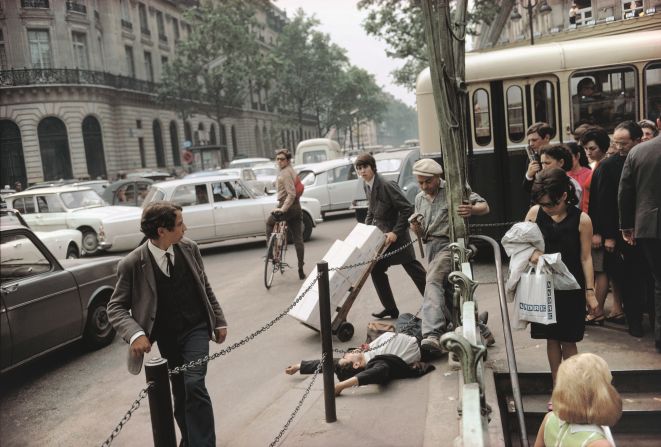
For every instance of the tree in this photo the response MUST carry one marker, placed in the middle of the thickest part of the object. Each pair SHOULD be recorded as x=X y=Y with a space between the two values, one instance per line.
x=399 y=122
x=211 y=71
x=399 y=24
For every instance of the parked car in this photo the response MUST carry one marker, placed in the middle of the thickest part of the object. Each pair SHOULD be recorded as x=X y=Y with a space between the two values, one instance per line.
x=215 y=208
x=267 y=173
x=332 y=182
x=127 y=192
x=97 y=185
x=156 y=176
x=244 y=173
x=47 y=209
x=247 y=162
x=51 y=184
x=394 y=165
x=317 y=150
x=64 y=244
x=46 y=303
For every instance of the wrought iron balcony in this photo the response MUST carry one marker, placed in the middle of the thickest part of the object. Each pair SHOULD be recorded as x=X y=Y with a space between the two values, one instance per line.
x=162 y=37
x=127 y=25
x=35 y=4
x=22 y=77
x=145 y=31
x=76 y=7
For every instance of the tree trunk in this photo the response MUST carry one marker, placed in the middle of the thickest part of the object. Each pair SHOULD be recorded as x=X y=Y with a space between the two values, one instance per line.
x=445 y=41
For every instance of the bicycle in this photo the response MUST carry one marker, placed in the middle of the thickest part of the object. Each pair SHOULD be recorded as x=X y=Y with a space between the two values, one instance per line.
x=276 y=250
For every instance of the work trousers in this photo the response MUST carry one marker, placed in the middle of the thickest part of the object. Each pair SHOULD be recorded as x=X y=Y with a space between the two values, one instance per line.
x=436 y=316
x=192 y=404
x=294 y=218
x=414 y=269
x=652 y=250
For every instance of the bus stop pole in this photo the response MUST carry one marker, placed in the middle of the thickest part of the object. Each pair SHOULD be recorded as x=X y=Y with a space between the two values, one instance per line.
x=326 y=341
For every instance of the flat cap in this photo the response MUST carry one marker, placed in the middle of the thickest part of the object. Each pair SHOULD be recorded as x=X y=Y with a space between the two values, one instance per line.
x=427 y=168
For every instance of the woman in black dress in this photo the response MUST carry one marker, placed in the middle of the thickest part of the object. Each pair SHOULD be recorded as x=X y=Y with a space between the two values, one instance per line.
x=569 y=231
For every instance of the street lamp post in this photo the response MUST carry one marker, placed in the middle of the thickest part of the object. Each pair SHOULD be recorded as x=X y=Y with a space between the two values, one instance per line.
x=544 y=9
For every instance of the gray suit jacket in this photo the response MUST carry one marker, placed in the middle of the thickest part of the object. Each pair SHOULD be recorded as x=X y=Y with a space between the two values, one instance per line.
x=639 y=196
x=135 y=291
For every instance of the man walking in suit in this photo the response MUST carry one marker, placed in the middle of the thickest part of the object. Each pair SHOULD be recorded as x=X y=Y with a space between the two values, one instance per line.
x=389 y=210
x=639 y=198
x=163 y=295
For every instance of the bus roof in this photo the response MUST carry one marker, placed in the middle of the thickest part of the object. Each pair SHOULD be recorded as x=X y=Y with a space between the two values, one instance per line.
x=558 y=56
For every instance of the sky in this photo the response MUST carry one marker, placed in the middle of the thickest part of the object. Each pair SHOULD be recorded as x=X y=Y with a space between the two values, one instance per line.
x=342 y=20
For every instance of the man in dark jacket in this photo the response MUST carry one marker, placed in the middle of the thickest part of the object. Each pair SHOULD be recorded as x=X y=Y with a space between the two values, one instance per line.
x=640 y=212
x=389 y=210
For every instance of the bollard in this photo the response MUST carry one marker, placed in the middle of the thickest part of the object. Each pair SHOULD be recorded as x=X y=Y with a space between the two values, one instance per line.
x=160 y=403
x=326 y=341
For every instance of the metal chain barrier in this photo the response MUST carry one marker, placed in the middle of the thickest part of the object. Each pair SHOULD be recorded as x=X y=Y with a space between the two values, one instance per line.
x=491 y=225
x=300 y=403
x=134 y=406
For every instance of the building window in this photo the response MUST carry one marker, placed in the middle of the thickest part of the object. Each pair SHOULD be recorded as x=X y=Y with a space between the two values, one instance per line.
x=632 y=9
x=653 y=90
x=40 y=52
x=515 y=126
x=76 y=6
x=34 y=4
x=164 y=62
x=103 y=59
x=175 y=26
x=544 y=96
x=160 y=26
x=126 y=14
x=80 y=50
x=130 y=63
x=149 y=68
x=3 y=53
x=144 y=24
x=481 y=118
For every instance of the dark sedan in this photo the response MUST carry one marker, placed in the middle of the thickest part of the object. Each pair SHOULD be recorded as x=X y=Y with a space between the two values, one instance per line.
x=47 y=303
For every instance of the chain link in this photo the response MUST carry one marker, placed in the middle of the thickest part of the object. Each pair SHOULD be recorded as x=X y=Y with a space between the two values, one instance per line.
x=491 y=225
x=134 y=406
x=300 y=403
x=375 y=259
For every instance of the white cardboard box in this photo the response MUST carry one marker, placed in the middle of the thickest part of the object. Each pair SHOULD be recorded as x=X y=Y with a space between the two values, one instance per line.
x=368 y=239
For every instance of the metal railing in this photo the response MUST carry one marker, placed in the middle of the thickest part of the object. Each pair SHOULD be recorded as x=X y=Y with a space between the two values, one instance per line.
x=35 y=4
x=76 y=7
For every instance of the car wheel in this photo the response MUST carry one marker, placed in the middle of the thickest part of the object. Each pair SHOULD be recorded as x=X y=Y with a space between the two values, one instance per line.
x=72 y=252
x=307 y=227
x=90 y=241
x=98 y=331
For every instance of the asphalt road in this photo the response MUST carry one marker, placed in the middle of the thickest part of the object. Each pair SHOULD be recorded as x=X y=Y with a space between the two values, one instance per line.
x=76 y=398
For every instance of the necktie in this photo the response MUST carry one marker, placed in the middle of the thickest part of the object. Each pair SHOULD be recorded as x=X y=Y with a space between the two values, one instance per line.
x=369 y=192
x=170 y=264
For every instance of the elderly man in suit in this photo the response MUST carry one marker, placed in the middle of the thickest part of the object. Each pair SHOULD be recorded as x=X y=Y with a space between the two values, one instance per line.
x=163 y=295
x=389 y=210
x=639 y=198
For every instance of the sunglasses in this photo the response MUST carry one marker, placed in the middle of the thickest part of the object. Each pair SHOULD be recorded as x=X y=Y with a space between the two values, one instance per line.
x=280 y=158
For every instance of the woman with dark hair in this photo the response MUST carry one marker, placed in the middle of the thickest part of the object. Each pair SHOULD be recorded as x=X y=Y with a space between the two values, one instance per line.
x=568 y=231
x=559 y=156
x=580 y=166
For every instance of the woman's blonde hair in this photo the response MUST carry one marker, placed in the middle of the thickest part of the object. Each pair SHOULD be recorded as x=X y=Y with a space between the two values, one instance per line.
x=583 y=392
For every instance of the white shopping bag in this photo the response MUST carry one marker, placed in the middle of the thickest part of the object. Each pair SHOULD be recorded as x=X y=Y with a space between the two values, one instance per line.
x=535 y=300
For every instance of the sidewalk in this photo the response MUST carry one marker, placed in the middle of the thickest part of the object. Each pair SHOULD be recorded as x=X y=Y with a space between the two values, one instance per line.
x=423 y=412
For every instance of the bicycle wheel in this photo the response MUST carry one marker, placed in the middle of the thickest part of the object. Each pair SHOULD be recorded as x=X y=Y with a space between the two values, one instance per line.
x=270 y=266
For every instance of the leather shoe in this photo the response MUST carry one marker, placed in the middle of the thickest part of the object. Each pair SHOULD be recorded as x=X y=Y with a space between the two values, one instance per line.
x=301 y=274
x=385 y=313
x=636 y=331
x=658 y=346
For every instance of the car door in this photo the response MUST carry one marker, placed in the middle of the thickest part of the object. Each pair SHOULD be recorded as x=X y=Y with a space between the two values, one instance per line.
x=341 y=186
x=40 y=299
x=196 y=209
x=51 y=214
x=25 y=205
x=236 y=213
x=316 y=187
x=5 y=336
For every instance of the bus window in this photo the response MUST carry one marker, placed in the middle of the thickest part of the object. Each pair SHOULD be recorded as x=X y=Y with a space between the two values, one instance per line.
x=653 y=91
x=481 y=119
x=544 y=94
x=515 y=126
x=603 y=97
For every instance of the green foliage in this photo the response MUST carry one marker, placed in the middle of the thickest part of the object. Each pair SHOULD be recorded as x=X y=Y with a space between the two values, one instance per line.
x=400 y=25
x=399 y=123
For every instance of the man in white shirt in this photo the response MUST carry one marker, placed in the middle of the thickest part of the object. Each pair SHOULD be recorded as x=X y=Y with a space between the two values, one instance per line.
x=163 y=295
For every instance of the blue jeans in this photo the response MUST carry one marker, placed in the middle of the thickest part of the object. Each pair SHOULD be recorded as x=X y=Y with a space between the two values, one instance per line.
x=435 y=313
x=192 y=404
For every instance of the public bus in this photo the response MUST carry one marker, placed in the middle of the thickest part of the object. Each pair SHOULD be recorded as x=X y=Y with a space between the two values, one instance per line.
x=510 y=89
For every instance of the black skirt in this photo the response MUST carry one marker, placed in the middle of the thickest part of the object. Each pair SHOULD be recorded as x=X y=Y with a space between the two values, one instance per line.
x=570 y=317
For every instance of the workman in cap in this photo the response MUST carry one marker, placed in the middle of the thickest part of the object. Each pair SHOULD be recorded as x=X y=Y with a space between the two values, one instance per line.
x=434 y=229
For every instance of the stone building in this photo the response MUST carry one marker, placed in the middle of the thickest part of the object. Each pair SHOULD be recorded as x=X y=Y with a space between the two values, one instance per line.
x=77 y=93
x=551 y=21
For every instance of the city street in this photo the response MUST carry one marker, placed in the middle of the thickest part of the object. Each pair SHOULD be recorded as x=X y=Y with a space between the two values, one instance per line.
x=76 y=398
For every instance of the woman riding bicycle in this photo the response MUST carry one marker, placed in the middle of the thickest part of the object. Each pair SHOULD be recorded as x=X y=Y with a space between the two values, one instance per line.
x=289 y=205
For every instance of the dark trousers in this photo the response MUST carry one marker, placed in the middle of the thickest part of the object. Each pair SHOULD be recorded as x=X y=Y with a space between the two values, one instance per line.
x=382 y=285
x=628 y=269
x=652 y=250
x=192 y=404
x=294 y=218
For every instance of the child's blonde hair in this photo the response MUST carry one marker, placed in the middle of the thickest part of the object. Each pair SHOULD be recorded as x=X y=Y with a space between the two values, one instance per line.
x=583 y=392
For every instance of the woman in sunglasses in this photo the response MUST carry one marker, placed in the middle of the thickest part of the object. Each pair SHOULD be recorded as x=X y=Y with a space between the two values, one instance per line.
x=567 y=230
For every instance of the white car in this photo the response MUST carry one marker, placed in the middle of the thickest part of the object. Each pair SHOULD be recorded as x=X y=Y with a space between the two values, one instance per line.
x=47 y=209
x=245 y=174
x=332 y=182
x=267 y=173
x=247 y=162
x=215 y=208
x=64 y=244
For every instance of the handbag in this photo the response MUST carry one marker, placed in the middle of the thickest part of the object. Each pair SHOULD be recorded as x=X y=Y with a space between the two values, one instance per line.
x=535 y=298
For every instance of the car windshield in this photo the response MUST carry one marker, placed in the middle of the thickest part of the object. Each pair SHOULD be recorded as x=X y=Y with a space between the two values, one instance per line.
x=153 y=195
x=388 y=165
x=86 y=198
x=231 y=172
